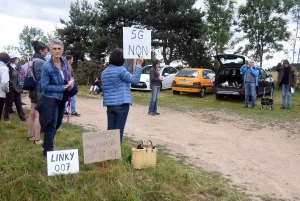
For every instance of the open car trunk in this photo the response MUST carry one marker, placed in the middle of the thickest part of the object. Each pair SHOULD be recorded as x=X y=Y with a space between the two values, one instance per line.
x=229 y=78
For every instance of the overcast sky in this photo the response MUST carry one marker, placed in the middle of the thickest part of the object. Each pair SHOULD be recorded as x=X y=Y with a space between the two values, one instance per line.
x=15 y=14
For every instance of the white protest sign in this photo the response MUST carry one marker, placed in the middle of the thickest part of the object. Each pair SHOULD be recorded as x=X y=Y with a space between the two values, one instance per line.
x=62 y=162
x=101 y=146
x=136 y=42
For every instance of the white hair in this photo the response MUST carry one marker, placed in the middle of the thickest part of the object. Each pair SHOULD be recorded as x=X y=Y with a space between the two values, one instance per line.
x=56 y=42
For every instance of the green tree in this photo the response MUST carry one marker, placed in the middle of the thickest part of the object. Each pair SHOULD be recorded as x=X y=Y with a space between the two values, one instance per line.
x=113 y=15
x=87 y=71
x=197 y=55
x=296 y=19
x=219 y=18
x=75 y=34
x=27 y=35
x=11 y=48
x=263 y=26
x=175 y=26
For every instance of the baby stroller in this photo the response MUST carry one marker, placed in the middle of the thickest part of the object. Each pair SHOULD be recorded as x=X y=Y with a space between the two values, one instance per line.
x=267 y=101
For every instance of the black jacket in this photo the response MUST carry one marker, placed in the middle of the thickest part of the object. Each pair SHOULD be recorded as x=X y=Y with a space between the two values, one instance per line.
x=45 y=108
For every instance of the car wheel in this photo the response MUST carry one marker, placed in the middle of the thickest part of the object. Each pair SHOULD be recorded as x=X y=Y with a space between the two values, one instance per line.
x=202 y=93
x=219 y=96
x=176 y=92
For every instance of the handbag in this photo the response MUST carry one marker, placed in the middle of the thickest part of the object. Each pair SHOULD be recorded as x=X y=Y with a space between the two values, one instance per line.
x=74 y=90
x=143 y=157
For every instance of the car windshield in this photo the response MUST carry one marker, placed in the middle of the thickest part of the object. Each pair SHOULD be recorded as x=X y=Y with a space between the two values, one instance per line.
x=146 y=69
x=188 y=73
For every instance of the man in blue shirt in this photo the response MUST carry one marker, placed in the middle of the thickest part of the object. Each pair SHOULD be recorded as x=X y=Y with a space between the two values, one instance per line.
x=251 y=73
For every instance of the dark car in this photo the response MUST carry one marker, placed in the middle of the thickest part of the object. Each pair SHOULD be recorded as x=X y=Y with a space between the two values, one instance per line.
x=229 y=80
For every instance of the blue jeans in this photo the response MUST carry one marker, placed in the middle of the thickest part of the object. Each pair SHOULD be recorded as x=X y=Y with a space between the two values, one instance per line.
x=286 y=90
x=51 y=128
x=154 y=98
x=116 y=118
x=73 y=104
x=250 y=91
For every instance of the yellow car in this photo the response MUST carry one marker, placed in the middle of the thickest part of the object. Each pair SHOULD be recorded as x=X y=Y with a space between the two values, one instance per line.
x=193 y=80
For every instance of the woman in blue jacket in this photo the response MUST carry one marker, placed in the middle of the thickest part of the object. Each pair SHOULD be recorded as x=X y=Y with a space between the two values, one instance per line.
x=55 y=80
x=251 y=73
x=116 y=90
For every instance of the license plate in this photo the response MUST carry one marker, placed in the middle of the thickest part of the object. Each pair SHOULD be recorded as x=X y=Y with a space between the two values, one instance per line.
x=184 y=81
x=140 y=84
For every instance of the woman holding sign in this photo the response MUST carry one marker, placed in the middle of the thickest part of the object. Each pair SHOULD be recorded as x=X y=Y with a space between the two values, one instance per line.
x=116 y=90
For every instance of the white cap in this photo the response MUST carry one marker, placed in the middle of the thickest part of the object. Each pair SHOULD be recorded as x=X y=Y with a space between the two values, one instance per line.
x=12 y=55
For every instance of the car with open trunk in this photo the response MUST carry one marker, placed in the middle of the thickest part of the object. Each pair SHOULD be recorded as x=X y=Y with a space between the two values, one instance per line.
x=229 y=80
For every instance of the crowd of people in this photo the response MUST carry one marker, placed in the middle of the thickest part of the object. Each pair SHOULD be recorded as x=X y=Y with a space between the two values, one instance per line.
x=54 y=81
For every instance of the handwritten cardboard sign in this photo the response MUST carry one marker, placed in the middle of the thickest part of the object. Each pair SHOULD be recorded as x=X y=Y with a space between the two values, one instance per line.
x=62 y=162
x=136 y=42
x=101 y=146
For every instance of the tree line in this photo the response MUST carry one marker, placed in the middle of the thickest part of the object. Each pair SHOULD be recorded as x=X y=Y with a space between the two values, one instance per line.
x=180 y=31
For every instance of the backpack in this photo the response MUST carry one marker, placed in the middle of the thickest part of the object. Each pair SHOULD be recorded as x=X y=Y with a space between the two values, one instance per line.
x=26 y=78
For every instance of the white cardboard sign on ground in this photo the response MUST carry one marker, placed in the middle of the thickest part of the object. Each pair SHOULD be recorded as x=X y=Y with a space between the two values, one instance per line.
x=62 y=162
x=101 y=146
x=136 y=42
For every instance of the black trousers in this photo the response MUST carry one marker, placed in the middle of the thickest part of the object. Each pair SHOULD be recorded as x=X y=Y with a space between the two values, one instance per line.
x=2 y=101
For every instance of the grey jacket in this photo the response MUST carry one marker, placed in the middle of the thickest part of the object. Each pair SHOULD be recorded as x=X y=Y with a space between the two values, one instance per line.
x=37 y=68
x=154 y=77
x=70 y=71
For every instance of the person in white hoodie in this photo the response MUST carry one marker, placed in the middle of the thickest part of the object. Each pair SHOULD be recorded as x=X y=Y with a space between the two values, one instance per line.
x=4 y=79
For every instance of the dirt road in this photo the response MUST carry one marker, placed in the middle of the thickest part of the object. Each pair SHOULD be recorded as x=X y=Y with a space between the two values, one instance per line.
x=260 y=159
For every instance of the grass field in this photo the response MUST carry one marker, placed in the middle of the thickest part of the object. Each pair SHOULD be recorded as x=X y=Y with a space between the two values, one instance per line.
x=274 y=74
x=23 y=174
